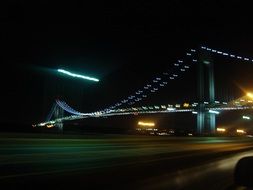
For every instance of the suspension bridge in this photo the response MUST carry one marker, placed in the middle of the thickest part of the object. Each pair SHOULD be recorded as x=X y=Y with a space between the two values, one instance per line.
x=206 y=107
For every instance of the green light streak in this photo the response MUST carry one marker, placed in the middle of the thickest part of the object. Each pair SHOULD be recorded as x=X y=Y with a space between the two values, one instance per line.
x=77 y=75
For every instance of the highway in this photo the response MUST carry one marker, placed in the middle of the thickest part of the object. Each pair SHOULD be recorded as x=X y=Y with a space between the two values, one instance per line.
x=30 y=161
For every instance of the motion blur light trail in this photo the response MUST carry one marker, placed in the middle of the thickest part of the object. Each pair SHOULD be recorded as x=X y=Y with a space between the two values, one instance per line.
x=90 y=162
x=77 y=75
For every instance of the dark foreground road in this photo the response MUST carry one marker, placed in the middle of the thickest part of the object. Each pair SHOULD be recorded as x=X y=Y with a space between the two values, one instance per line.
x=119 y=162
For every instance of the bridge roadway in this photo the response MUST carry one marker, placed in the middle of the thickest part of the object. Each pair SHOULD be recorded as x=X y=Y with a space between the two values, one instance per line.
x=34 y=161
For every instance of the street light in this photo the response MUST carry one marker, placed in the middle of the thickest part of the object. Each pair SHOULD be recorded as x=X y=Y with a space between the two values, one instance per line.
x=221 y=130
x=250 y=95
x=148 y=124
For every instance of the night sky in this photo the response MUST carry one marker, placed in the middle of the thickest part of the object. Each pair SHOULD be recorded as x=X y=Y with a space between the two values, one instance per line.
x=123 y=43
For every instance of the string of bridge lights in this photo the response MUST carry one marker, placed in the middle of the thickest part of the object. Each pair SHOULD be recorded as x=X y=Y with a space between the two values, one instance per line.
x=234 y=105
x=213 y=108
x=210 y=110
x=158 y=82
x=223 y=106
x=74 y=117
x=169 y=107
x=238 y=57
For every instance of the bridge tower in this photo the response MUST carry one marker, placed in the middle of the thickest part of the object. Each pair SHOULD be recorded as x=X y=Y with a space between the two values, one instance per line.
x=206 y=122
x=56 y=112
x=59 y=113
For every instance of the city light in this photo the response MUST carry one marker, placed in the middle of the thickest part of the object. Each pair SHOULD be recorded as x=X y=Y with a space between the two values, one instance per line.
x=50 y=126
x=240 y=131
x=41 y=124
x=221 y=130
x=148 y=124
x=186 y=105
x=246 y=117
x=77 y=75
x=206 y=62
